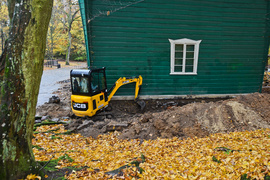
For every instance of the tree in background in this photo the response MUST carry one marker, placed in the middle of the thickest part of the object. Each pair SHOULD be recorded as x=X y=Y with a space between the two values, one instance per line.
x=4 y=23
x=21 y=67
x=65 y=35
x=71 y=17
x=78 y=42
x=55 y=31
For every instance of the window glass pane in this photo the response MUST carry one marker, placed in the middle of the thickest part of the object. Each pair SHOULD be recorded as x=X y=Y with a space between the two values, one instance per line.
x=80 y=85
x=177 y=68
x=189 y=68
x=103 y=83
x=178 y=54
x=97 y=81
x=84 y=85
x=179 y=47
x=178 y=61
x=190 y=55
x=75 y=84
x=190 y=47
x=189 y=62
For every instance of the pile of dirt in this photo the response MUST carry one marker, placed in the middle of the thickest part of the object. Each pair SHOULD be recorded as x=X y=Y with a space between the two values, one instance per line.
x=168 y=118
x=200 y=119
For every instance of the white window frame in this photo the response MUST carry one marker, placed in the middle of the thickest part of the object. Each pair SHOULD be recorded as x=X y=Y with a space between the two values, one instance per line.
x=184 y=42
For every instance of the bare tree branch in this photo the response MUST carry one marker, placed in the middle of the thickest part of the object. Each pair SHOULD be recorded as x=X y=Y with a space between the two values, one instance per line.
x=100 y=13
x=73 y=18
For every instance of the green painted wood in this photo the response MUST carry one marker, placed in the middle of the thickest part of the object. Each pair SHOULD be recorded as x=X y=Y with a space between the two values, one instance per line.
x=133 y=40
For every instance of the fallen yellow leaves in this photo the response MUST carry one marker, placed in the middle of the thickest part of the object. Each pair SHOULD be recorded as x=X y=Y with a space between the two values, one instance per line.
x=33 y=177
x=237 y=153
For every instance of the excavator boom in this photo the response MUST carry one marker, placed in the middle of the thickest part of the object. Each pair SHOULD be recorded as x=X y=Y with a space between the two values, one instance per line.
x=123 y=81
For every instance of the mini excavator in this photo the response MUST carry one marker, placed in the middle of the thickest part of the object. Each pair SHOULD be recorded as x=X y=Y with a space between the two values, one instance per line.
x=90 y=94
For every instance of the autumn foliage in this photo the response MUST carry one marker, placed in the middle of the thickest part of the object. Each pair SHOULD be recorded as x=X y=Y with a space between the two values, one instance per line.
x=65 y=29
x=218 y=156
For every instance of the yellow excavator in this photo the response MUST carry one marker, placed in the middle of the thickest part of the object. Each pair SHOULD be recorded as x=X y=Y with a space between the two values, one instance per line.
x=90 y=94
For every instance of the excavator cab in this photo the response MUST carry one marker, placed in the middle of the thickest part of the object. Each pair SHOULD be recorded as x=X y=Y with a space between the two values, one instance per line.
x=89 y=91
x=88 y=82
x=90 y=94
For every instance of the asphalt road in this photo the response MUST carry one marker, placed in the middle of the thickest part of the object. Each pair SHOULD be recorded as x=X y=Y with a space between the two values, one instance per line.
x=49 y=84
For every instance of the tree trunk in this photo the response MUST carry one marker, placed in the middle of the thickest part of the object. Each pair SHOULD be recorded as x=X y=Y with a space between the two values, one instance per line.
x=52 y=43
x=2 y=40
x=51 y=29
x=71 y=19
x=22 y=67
x=69 y=29
x=69 y=47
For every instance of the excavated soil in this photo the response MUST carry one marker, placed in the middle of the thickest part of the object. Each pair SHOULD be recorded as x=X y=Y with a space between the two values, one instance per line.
x=167 y=118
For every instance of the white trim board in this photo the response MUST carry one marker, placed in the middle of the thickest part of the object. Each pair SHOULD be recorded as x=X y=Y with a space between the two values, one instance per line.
x=146 y=97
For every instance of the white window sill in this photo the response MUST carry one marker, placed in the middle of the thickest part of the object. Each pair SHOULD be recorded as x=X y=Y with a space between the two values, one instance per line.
x=176 y=73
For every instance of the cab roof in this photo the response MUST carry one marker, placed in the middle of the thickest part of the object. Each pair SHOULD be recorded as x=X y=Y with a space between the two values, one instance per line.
x=84 y=72
x=80 y=72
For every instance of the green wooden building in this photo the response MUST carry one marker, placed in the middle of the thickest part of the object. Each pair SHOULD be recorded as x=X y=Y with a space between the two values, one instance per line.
x=180 y=47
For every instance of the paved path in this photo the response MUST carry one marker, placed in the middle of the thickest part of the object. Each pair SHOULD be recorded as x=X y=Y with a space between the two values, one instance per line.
x=49 y=83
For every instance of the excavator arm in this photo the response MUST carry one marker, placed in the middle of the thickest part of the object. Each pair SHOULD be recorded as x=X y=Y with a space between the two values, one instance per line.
x=123 y=81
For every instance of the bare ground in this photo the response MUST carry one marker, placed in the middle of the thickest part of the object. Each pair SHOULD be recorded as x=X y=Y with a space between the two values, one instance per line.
x=168 y=118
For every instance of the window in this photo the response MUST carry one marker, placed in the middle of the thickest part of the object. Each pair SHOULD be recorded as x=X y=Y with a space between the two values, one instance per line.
x=97 y=81
x=184 y=56
x=80 y=85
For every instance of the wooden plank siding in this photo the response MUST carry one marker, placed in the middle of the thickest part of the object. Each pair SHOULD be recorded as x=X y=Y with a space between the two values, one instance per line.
x=130 y=39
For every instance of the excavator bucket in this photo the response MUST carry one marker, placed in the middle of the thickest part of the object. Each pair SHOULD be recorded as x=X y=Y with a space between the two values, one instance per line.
x=141 y=103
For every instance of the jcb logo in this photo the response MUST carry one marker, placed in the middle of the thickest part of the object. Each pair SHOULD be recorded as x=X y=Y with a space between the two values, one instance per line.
x=80 y=106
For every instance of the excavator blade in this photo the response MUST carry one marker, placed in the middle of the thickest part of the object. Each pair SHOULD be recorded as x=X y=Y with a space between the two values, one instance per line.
x=141 y=103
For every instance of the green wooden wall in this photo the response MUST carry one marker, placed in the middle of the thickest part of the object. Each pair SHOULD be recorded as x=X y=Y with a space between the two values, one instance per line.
x=130 y=37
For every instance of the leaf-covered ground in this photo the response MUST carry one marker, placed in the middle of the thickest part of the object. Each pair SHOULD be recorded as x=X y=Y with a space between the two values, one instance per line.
x=218 y=156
